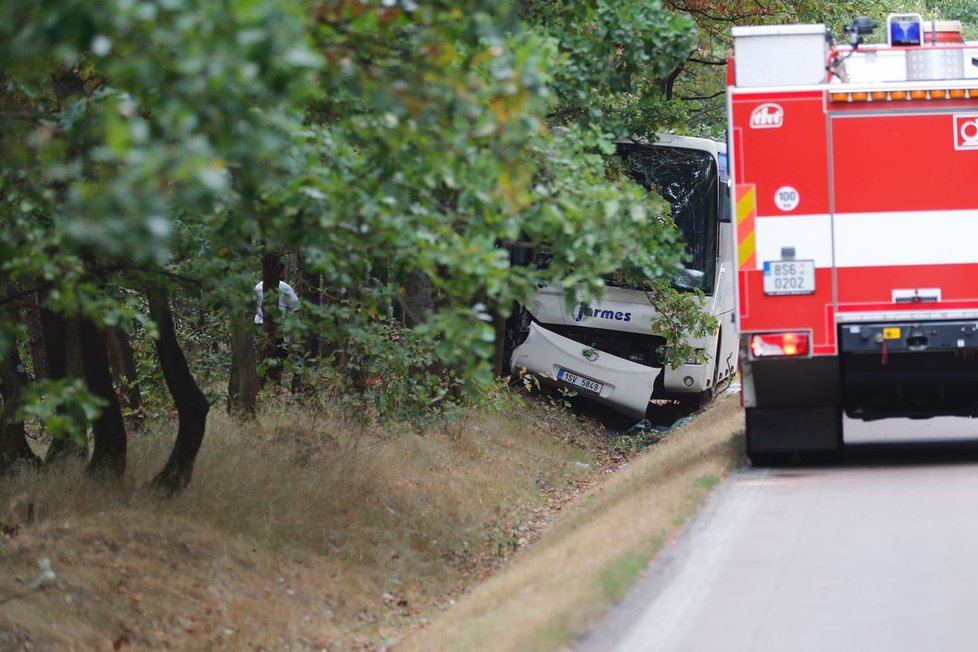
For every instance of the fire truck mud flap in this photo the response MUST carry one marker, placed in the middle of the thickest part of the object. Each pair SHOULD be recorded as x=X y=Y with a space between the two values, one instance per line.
x=778 y=436
x=627 y=386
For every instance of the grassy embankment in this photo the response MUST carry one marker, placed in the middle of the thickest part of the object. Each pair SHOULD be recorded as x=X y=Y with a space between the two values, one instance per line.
x=554 y=591
x=310 y=532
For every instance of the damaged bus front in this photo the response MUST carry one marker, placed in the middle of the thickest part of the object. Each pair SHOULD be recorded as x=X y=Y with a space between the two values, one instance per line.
x=606 y=349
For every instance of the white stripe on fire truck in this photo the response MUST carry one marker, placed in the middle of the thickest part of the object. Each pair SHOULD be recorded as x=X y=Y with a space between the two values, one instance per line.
x=906 y=238
x=890 y=239
x=809 y=235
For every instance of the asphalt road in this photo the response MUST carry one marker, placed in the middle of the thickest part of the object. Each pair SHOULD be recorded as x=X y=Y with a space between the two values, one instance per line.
x=878 y=553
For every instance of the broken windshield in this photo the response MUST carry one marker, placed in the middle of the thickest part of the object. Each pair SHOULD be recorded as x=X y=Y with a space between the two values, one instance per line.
x=687 y=179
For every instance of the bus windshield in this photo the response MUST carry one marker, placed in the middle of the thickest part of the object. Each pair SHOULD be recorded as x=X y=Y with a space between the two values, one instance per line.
x=688 y=180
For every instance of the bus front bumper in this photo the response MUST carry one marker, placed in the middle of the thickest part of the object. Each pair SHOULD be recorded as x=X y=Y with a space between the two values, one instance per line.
x=624 y=385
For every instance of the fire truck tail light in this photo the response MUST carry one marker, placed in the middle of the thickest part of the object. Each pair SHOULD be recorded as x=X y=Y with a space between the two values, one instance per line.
x=769 y=345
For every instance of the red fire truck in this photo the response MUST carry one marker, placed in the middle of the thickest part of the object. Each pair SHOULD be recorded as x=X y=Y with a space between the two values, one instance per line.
x=855 y=170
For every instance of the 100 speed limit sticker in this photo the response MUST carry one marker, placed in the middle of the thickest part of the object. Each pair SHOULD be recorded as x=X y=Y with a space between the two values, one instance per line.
x=786 y=198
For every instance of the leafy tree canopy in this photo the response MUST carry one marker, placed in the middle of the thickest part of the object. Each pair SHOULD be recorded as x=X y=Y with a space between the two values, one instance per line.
x=173 y=142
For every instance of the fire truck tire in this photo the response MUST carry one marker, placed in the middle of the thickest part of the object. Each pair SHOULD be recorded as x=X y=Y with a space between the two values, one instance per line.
x=778 y=436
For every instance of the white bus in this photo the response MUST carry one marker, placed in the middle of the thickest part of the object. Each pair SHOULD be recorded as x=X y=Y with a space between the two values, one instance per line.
x=606 y=350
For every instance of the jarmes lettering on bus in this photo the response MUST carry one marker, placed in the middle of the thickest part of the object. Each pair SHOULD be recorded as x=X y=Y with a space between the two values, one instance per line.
x=583 y=310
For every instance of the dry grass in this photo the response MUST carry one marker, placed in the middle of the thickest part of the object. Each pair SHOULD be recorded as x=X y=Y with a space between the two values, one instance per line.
x=315 y=533
x=304 y=533
x=555 y=590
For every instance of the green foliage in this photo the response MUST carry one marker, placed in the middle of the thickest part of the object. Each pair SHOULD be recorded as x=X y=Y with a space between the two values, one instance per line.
x=128 y=111
x=393 y=374
x=681 y=319
x=434 y=124
x=64 y=406
x=175 y=142
x=612 y=57
x=638 y=442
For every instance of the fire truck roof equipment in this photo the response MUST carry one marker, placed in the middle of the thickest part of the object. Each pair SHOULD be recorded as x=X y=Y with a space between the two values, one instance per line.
x=780 y=55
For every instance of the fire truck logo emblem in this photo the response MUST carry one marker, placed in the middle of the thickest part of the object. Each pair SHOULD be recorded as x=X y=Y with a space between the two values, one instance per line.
x=966 y=132
x=767 y=116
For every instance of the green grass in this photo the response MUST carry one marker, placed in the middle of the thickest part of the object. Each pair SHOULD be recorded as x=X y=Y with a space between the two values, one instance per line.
x=707 y=482
x=617 y=576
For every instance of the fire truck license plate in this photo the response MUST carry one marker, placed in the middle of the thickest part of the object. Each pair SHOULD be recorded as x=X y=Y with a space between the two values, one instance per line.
x=578 y=381
x=789 y=277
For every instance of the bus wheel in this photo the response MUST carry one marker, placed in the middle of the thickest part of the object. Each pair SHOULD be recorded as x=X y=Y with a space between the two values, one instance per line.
x=695 y=402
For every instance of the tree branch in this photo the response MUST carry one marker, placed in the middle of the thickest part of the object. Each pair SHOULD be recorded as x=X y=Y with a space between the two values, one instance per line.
x=703 y=97
x=733 y=18
x=707 y=62
x=97 y=271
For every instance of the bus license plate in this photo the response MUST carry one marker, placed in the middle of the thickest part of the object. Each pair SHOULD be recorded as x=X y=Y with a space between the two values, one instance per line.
x=577 y=381
x=789 y=277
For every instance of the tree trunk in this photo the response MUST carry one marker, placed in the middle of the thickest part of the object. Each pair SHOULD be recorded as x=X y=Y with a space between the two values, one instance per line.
x=109 y=429
x=123 y=364
x=62 y=349
x=192 y=405
x=35 y=332
x=13 y=435
x=54 y=331
x=419 y=298
x=243 y=383
x=499 y=357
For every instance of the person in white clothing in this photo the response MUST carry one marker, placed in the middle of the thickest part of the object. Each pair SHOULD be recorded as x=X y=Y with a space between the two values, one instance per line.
x=288 y=300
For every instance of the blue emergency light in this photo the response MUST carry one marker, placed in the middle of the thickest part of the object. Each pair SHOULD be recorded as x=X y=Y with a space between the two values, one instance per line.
x=905 y=32
x=904 y=29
